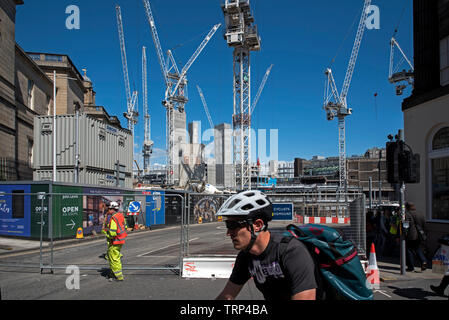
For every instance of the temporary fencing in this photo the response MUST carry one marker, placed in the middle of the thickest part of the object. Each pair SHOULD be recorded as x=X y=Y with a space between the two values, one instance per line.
x=53 y=218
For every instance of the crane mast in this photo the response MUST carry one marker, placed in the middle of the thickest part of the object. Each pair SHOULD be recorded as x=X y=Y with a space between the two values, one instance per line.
x=131 y=99
x=176 y=87
x=147 y=143
x=335 y=104
x=242 y=35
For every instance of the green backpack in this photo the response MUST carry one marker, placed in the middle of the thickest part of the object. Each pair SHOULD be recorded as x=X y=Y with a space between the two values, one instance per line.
x=339 y=272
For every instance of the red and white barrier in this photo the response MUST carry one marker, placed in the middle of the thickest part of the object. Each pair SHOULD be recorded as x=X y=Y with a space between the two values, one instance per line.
x=326 y=220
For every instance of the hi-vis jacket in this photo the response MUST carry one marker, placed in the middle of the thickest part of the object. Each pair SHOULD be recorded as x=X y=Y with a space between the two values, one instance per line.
x=116 y=229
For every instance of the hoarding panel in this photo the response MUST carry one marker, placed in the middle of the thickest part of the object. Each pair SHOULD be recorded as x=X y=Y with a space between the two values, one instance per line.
x=36 y=210
x=15 y=210
x=67 y=211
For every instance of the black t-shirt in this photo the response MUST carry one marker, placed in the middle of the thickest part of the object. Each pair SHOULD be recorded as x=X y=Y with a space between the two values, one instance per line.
x=277 y=280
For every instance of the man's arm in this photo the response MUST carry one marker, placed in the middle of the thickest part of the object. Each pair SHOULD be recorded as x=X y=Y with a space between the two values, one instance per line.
x=230 y=291
x=305 y=295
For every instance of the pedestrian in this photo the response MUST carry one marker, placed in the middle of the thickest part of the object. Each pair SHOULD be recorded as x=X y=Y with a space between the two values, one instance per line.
x=116 y=234
x=381 y=232
x=415 y=237
x=443 y=285
x=287 y=277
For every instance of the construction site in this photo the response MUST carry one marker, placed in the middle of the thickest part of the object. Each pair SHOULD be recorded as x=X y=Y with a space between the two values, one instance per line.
x=76 y=141
x=111 y=122
x=68 y=139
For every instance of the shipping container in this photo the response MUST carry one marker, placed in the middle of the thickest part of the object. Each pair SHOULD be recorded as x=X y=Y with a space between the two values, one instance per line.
x=105 y=152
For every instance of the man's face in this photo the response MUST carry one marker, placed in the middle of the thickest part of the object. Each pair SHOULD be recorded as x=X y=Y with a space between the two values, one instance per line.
x=239 y=232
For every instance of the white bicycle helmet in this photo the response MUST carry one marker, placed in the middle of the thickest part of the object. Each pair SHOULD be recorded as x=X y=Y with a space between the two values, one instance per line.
x=250 y=204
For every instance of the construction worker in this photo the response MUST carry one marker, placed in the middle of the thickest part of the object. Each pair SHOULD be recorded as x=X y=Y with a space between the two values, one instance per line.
x=104 y=229
x=116 y=234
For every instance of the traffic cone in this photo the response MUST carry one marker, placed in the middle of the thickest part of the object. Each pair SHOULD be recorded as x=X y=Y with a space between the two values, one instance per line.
x=373 y=278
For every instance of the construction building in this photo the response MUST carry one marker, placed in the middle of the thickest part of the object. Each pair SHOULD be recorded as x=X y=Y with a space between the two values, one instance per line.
x=224 y=168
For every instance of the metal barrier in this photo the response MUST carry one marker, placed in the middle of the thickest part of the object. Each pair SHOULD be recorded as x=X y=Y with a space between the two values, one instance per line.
x=216 y=260
x=190 y=208
x=47 y=216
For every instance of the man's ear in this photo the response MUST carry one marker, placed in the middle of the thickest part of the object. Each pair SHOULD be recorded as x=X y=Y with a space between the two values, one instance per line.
x=258 y=225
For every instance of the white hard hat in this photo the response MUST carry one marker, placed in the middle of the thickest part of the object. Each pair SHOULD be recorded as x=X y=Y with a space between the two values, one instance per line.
x=114 y=205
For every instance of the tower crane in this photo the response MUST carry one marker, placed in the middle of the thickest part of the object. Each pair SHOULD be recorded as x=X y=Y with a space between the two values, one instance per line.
x=131 y=99
x=262 y=85
x=401 y=77
x=242 y=35
x=335 y=104
x=206 y=109
x=176 y=85
x=147 y=149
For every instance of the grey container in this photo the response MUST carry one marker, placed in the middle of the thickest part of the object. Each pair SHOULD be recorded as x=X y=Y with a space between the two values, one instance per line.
x=100 y=147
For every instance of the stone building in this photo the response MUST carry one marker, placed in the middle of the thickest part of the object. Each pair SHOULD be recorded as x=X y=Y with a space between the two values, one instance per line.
x=25 y=91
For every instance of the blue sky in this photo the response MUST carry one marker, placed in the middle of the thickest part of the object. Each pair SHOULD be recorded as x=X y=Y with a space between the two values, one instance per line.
x=299 y=37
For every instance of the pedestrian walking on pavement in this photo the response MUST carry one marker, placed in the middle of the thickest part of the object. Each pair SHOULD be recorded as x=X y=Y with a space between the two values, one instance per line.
x=116 y=234
x=287 y=277
x=443 y=285
x=415 y=237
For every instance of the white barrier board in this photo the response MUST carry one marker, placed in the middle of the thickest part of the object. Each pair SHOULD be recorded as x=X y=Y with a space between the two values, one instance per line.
x=207 y=267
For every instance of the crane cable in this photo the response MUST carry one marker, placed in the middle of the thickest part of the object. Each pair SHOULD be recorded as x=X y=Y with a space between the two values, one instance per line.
x=346 y=37
x=400 y=19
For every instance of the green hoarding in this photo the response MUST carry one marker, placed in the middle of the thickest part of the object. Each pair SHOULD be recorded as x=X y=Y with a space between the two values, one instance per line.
x=37 y=209
x=67 y=211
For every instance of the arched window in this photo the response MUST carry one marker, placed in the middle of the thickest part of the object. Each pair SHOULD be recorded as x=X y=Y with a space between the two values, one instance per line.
x=439 y=168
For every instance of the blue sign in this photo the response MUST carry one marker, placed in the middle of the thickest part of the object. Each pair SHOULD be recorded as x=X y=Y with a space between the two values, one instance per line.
x=282 y=211
x=15 y=210
x=134 y=207
x=155 y=208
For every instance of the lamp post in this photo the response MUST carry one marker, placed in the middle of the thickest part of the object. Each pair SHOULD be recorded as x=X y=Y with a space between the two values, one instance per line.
x=54 y=126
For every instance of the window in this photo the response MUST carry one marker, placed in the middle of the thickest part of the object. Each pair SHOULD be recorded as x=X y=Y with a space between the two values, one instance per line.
x=439 y=175
x=444 y=61
x=30 y=152
x=30 y=100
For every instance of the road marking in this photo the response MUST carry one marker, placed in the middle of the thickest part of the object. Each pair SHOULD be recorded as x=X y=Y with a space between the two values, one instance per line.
x=382 y=291
x=158 y=249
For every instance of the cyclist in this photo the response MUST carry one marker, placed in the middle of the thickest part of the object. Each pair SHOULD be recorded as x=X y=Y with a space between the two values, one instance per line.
x=291 y=276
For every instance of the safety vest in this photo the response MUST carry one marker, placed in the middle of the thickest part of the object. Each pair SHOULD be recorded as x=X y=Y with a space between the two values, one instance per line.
x=106 y=223
x=119 y=220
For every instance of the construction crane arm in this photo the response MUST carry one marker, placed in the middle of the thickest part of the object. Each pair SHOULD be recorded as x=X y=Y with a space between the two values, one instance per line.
x=355 y=52
x=394 y=43
x=206 y=109
x=156 y=41
x=123 y=54
x=195 y=56
x=262 y=85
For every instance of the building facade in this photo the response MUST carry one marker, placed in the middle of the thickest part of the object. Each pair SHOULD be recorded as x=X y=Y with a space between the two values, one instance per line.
x=426 y=116
x=25 y=91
